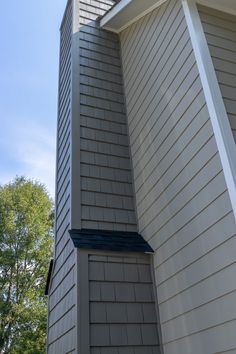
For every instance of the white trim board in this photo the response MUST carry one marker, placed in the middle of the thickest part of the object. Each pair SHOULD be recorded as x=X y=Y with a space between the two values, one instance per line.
x=112 y=14
x=218 y=115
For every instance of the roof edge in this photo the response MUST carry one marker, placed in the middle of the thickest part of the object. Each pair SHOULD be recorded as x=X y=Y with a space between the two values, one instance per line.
x=120 y=241
x=126 y=12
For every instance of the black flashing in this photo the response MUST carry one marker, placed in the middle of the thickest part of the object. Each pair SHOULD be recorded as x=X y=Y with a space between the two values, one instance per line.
x=48 y=277
x=110 y=240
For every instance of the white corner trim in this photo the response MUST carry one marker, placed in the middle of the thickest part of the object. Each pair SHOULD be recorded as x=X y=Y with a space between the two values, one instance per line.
x=215 y=6
x=116 y=9
x=218 y=115
x=153 y=7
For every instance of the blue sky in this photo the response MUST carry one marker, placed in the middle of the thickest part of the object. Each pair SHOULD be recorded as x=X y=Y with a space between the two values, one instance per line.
x=29 y=46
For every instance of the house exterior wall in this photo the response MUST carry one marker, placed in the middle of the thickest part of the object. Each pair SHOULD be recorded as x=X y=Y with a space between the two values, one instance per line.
x=147 y=103
x=220 y=31
x=182 y=202
x=106 y=180
x=61 y=314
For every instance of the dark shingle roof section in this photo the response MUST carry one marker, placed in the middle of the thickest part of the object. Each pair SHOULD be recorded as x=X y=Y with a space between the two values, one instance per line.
x=110 y=241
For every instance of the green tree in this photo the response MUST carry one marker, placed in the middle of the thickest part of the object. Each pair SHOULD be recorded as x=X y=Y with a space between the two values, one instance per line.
x=26 y=230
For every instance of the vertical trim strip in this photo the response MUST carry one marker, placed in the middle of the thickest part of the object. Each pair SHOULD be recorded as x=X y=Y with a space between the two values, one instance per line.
x=218 y=115
x=75 y=212
x=76 y=250
x=82 y=288
x=154 y=286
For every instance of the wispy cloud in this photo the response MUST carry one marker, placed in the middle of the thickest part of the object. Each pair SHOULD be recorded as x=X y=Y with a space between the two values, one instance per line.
x=28 y=89
x=31 y=152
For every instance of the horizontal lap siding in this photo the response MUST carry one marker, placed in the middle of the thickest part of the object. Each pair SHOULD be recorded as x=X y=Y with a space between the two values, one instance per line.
x=220 y=31
x=61 y=319
x=122 y=307
x=182 y=201
x=106 y=183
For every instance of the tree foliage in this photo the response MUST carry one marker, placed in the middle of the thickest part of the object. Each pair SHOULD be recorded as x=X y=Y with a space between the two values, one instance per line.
x=26 y=227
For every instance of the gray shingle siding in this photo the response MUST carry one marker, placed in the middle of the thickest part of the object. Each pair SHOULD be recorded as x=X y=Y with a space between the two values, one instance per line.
x=106 y=181
x=183 y=205
x=105 y=173
x=122 y=305
x=61 y=317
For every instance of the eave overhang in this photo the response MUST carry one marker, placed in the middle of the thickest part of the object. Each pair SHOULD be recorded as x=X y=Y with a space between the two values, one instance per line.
x=126 y=12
